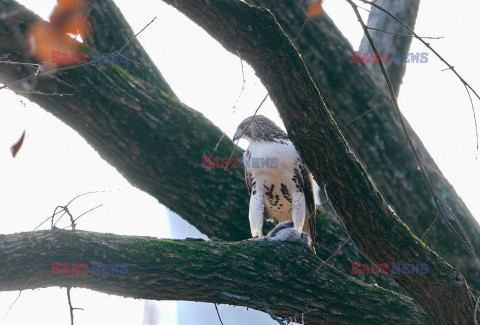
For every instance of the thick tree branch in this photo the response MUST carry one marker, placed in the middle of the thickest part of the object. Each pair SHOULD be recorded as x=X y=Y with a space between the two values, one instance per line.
x=168 y=165
x=350 y=90
x=407 y=11
x=254 y=33
x=281 y=275
x=146 y=121
x=154 y=140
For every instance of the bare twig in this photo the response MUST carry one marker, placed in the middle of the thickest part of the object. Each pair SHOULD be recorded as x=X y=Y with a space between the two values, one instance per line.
x=64 y=209
x=370 y=110
x=88 y=211
x=334 y=253
x=346 y=232
x=401 y=34
x=431 y=226
x=21 y=63
x=263 y=304
x=70 y=305
x=236 y=102
x=72 y=221
x=467 y=242
x=218 y=314
x=13 y=303
x=302 y=314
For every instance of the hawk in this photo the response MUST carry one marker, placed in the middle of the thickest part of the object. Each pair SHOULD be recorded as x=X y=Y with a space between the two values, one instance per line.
x=279 y=183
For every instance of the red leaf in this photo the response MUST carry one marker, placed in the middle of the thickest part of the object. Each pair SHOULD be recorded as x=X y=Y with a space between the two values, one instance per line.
x=16 y=147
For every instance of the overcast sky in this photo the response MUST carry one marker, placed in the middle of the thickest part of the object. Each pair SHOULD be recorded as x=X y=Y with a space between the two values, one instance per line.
x=56 y=164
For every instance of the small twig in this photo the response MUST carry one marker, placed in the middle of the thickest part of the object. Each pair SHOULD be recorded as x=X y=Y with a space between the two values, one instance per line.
x=467 y=242
x=80 y=195
x=21 y=63
x=88 y=211
x=54 y=213
x=236 y=102
x=301 y=29
x=370 y=110
x=59 y=218
x=474 y=114
x=263 y=304
x=302 y=314
x=13 y=303
x=400 y=34
x=431 y=226
x=334 y=253
x=73 y=221
x=64 y=209
x=218 y=314
x=70 y=305
x=73 y=224
x=71 y=218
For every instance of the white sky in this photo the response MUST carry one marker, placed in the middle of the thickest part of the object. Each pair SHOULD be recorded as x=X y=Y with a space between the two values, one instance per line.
x=55 y=164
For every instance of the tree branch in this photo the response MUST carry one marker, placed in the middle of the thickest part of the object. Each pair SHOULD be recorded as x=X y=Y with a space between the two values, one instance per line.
x=358 y=100
x=254 y=33
x=168 y=164
x=144 y=131
x=280 y=276
x=107 y=116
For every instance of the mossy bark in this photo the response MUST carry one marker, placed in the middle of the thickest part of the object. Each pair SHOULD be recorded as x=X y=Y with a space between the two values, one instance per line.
x=350 y=90
x=373 y=225
x=153 y=139
x=281 y=275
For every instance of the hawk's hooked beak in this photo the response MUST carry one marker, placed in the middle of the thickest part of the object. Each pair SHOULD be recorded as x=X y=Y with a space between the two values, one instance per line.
x=237 y=135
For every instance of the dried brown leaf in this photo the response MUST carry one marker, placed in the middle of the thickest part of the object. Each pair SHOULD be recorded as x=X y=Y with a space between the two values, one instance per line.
x=17 y=145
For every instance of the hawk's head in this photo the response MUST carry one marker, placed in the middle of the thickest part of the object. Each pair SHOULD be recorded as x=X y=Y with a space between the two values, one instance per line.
x=259 y=128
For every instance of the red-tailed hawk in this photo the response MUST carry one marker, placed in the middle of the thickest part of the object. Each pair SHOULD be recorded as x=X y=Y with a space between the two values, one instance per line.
x=280 y=186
